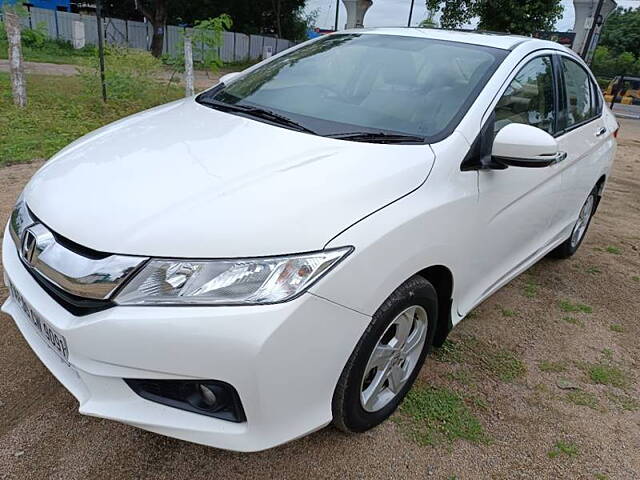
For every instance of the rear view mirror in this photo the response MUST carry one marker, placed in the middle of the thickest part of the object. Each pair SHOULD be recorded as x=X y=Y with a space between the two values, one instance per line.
x=520 y=145
x=229 y=77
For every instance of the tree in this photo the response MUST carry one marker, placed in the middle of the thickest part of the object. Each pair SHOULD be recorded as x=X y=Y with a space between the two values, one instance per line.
x=511 y=16
x=430 y=21
x=249 y=16
x=156 y=11
x=16 y=69
x=621 y=32
x=619 y=50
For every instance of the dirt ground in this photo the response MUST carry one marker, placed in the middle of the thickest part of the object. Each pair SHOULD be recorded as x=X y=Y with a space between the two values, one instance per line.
x=203 y=79
x=43 y=436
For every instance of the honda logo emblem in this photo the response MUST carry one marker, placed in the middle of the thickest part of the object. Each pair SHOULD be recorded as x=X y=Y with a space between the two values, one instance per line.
x=34 y=240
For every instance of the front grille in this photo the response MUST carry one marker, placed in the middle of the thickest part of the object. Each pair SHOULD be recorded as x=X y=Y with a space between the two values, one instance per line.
x=75 y=305
x=81 y=280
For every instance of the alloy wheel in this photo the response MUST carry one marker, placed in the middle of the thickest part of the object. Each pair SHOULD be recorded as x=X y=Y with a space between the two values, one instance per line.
x=583 y=221
x=394 y=358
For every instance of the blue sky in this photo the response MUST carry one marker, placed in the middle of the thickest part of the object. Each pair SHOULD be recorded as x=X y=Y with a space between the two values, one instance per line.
x=396 y=13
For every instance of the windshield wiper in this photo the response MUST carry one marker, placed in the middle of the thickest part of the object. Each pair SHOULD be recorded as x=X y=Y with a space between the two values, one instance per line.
x=377 y=137
x=257 y=112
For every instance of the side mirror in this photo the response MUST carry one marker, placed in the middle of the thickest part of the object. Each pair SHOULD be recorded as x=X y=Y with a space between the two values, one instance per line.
x=520 y=145
x=228 y=77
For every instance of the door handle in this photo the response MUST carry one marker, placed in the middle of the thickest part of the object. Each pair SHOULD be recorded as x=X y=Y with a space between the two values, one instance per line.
x=601 y=132
x=559 y=157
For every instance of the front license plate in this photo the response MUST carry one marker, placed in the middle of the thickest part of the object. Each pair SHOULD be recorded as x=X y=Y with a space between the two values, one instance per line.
x=53 y=339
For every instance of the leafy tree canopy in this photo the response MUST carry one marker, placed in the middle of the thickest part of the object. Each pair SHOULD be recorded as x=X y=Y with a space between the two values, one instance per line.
x=285 y=18
x=621 y=32
x=511 y=16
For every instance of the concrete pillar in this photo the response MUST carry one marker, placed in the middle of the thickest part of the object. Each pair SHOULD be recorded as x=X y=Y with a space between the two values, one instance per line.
x=585 y=11
x=355 y=12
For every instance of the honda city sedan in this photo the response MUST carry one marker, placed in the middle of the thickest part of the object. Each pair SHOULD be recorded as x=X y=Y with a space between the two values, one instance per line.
x=281 y=252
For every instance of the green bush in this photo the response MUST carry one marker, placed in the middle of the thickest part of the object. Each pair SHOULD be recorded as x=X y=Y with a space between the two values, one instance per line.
x=606 y=64
x=206 y=37
x=34 y=37
x=129 y=74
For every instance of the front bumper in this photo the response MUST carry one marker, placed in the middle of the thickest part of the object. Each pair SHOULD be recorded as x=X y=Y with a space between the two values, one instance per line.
x=284 y=360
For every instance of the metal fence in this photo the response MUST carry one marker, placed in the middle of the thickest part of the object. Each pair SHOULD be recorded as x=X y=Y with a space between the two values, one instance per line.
x=82 y=30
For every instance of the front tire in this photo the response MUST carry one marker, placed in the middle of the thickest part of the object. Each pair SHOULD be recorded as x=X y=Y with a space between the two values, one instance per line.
x=388 y=357
x=570 y=246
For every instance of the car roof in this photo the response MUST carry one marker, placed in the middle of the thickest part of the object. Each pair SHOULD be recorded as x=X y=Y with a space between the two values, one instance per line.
x=488 y=39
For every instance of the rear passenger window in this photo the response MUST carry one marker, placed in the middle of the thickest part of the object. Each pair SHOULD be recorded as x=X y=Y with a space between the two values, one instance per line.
x=582 y=101
x=529 y=99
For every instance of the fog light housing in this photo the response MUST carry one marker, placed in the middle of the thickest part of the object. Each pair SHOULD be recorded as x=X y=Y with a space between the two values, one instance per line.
x=212 y=398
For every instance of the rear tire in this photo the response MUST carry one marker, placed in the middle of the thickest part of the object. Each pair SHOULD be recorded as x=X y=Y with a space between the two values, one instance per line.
x=570 y=246
x=383 y=366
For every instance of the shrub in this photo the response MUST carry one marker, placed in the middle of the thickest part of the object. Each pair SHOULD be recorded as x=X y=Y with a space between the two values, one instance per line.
x=129 y=74
x=206 y=37
x=34 y=37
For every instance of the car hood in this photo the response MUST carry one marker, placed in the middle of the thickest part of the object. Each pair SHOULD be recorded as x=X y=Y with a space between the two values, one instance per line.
x=185 y=180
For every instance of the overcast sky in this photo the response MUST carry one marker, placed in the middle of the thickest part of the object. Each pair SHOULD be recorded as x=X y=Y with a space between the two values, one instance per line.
x=396 y=13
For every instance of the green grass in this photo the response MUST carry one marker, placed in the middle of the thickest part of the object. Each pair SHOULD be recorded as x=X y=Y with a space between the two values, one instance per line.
x=563 y=448
x=600 y=476
x=567 y=306
x=616 y=328
x=593 y=270
x=530 y=289
x=573 y=321
x=508 y=313
x=613 y=250
x=635 y=278
x=552 y=367
x=625 y=402
x=582 y=398
x=604 y=374
x=462 y=375
x=59 y=110
x=498 y=362
x=449 y=352
x=54 y=52
x=432 y=416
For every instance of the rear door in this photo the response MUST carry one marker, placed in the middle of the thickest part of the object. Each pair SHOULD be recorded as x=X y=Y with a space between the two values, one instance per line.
x=582 y=134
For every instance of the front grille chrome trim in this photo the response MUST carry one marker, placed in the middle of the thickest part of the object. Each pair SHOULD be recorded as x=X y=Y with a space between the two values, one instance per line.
x=70 y=271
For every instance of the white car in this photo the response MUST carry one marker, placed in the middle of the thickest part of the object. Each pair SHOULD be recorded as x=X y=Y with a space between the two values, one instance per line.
x=280 y=252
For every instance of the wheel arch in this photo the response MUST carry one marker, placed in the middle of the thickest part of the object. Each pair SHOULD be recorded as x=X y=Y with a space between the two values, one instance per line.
x=441 y=278
x=599 y=187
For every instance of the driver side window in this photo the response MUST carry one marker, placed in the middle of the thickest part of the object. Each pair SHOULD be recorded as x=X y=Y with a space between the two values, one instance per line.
x=529 y=99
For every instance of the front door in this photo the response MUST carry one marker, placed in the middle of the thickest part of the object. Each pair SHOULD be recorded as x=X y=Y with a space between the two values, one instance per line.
x=517 y=205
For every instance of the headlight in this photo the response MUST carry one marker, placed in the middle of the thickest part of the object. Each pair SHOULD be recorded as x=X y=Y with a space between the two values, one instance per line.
x=228 y=282
x=20 y=221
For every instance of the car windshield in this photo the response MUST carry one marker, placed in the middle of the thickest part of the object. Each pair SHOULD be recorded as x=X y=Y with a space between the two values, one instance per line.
x=350 y=84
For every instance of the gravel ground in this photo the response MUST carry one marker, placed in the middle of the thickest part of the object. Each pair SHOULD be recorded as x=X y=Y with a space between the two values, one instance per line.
x=43 y=436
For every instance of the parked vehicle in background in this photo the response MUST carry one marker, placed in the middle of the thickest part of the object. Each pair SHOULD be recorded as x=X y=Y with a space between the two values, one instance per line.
x=624 y=90
x=242 y=268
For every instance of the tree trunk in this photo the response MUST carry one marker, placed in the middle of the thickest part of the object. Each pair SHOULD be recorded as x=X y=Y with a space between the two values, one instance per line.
x=157 y=16
x=276 y=11
x=18 y=84
x=157 y=40
x=188 y=66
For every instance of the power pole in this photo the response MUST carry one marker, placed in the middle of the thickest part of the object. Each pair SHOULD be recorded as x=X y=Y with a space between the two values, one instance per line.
x=335 y=26
x=16 y=68
x=410 y=13
x=592 y=30
x=101 y=49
